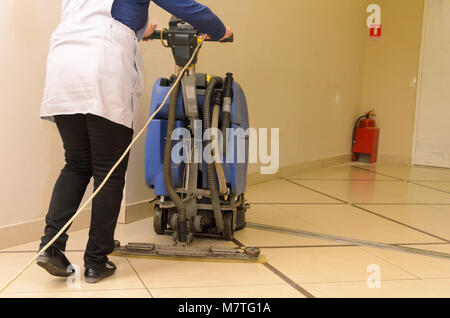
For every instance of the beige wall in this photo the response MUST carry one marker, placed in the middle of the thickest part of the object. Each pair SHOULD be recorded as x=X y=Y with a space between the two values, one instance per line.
x=300 y=63
x=30 y=148
x=390 y=71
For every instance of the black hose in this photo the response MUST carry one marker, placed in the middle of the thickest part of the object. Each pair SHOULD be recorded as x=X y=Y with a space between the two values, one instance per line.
x=214 y=192
x=354 y=131
x=181 y=229
x=226 y=109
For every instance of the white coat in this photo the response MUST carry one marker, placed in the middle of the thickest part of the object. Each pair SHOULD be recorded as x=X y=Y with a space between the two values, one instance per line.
x=94 y=65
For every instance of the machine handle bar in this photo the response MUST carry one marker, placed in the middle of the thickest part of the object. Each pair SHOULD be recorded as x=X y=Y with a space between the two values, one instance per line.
x=157 y=35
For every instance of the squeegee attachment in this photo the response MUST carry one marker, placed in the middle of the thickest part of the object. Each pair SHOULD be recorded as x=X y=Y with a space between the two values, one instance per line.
x=149 y=250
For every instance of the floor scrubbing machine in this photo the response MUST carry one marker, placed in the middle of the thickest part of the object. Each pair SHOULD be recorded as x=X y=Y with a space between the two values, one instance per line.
x=195 y=161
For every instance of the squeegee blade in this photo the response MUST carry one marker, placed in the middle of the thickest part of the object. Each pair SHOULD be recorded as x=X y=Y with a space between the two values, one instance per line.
x=219 y=253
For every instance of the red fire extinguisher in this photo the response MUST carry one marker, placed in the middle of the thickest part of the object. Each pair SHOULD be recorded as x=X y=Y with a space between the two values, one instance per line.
x=365 y=137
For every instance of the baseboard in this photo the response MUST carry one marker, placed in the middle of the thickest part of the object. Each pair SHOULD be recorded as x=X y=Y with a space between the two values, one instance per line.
x=23 y=233
x=138 y=211
x=394 y=160
x=292 y=170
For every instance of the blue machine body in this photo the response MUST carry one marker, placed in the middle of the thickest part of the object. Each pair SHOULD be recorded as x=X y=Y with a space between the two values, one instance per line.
x=235 y=170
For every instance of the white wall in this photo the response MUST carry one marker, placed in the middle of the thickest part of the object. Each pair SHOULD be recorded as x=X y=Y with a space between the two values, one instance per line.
x=432 y=137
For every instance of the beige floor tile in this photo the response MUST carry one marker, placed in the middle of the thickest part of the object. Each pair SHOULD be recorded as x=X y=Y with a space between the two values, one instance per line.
x=36 y=279
x=257 y=291
x=349 y=221
x=77 y=242
x=342 y=172
x=274 y=215
x=407 y=172
x=378 y=192
x=434 y=219
x=439 y=185
x=420 y=266
x=123 y=293
x=329 y=264
x=259 y=238
x=433 y=288
x=169 y=274
x=281 y=191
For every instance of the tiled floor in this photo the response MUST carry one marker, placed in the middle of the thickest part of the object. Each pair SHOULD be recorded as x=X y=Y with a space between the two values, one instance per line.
x=401 y=205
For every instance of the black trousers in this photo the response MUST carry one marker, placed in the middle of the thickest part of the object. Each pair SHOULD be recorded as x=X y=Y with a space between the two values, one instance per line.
x=92 y=146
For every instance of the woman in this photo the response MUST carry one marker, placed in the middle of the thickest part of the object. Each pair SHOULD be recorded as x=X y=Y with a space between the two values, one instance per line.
x=94 y=79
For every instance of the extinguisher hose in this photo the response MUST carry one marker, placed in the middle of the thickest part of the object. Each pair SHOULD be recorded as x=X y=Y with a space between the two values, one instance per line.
x=354 y=130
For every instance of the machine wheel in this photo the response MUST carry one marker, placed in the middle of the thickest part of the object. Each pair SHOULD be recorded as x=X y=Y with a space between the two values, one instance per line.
x=160 y=220
x=228 y=230
x=198 y=223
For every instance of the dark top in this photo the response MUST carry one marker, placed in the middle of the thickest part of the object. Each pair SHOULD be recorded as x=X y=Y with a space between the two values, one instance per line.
x=134 y=14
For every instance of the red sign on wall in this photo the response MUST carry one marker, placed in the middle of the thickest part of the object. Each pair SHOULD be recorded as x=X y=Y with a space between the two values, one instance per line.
x=376 y=31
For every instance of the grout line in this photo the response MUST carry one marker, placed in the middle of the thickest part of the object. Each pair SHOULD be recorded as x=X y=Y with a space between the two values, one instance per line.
x=301 y=203
x=220 y=286
x=70 y=291
x=387 y=261
x=436 y=278
x=317 y=191
x=27 y=252
x=293 y=284
x=387 y=203
x=373 y=180
x=139 y=277
x=428 y=187
x=376 y=172
x=363 y=281
x=437 y=181
x=401 y=223
x=290 y=282
x=237 y=242
x=345 y=245
x=429 y=243
x=408 y=180
x=304 y=246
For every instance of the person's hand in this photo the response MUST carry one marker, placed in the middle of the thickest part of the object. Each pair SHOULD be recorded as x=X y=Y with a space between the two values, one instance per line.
x=150 y=30
x=227 y=34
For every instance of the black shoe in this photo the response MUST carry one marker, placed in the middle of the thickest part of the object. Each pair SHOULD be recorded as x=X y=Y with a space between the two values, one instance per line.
x=55 y=262
x=92 y=275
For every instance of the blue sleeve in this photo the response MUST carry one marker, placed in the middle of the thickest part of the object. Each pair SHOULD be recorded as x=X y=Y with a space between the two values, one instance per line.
x=196 y=14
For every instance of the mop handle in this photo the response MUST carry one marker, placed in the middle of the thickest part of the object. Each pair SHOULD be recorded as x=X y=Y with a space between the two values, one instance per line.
x=108 y=175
